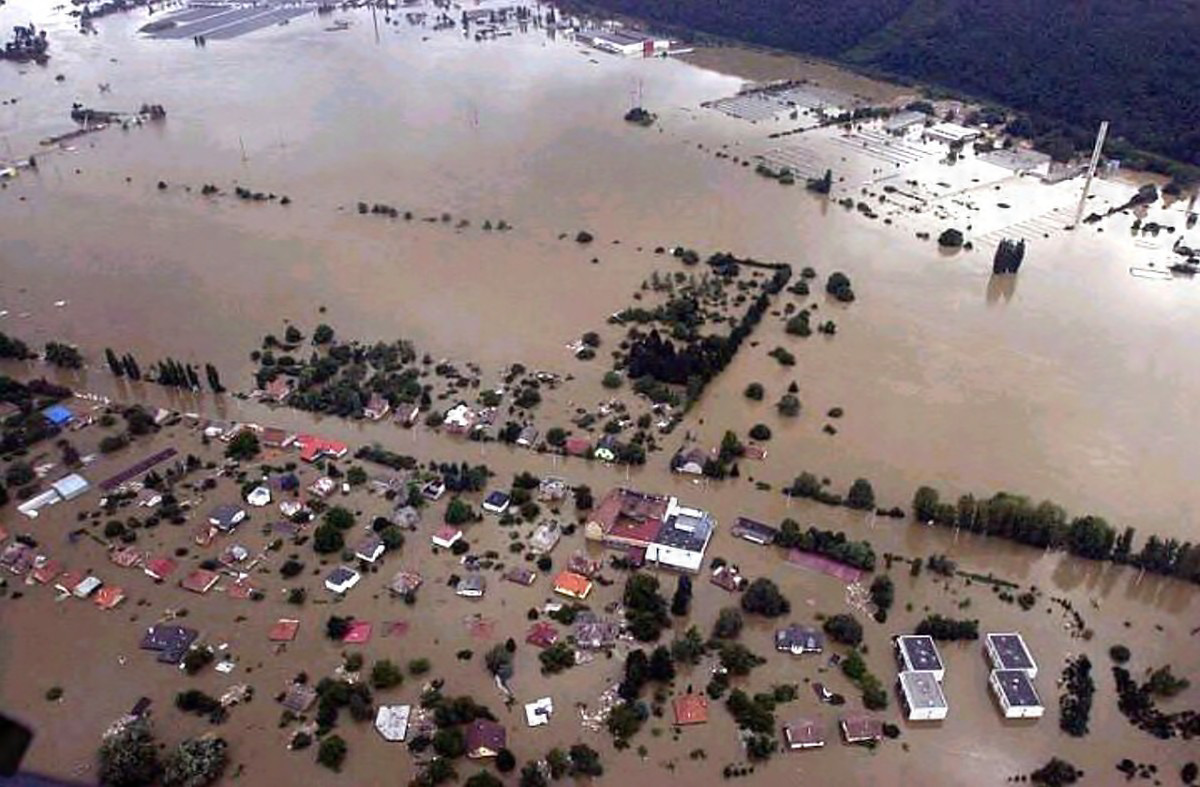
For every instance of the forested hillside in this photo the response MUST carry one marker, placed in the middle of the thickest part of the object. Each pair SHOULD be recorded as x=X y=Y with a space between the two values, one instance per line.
x=1072 y=62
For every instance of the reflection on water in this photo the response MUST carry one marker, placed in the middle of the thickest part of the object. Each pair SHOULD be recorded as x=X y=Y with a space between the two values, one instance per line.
x=1000 y=286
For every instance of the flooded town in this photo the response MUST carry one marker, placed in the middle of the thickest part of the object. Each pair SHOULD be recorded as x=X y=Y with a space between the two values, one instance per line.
x=491 y=394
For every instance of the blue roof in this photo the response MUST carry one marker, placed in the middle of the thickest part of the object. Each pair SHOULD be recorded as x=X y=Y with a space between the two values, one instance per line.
x=57 y=414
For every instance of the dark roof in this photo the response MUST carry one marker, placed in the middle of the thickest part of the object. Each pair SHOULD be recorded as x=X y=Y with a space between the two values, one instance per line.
x=496 y=498
x=685 y=532
x=485 y=734
x=340 y=575
x=804 y=636
x=171 y=642
x=921 y=652
x=1017 y=687
x=1010 y=651
x=752 y=530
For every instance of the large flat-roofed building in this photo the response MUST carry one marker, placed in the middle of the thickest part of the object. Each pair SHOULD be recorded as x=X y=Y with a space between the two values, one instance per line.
x=923 y=697
x=919 y=653
x=1016 y=694
x=1008 y=652
x=682 y=540
x=620 y=42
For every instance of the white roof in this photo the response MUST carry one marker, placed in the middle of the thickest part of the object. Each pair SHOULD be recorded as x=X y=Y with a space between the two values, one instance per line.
x=952 y=131
x=538 y=712
x=70 y=487
x=392 y=721
x=259 y=496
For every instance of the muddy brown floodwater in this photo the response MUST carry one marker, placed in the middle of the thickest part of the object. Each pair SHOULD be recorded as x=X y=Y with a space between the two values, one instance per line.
x=1074 y=383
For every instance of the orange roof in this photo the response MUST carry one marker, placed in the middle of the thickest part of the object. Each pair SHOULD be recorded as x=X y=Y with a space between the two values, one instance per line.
x=571 y=584
x=691 y=709
x=109 y=596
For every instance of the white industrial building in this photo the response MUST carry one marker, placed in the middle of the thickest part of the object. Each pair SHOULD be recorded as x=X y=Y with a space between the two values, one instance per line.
x=1016 y=694
x=619 y=42
x=1008 y=651
x=919 y=653
x=922 y=695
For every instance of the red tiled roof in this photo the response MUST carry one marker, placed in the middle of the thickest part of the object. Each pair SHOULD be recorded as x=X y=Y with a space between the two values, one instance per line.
x=160 y=567
x=284 y=630
x=200 y=581
x=542 y=634
x=691 y=709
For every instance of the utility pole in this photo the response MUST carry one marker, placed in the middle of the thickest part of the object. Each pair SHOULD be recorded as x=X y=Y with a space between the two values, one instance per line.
x=1087 y=184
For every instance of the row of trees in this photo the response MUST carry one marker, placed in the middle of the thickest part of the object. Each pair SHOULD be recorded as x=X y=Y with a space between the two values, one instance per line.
x=828 y=543
x=1046 y=526
x=169 y=371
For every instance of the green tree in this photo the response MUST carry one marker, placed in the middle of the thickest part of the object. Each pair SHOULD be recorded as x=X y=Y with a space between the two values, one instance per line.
x=244 y=446
x=323 y=334
x=755 y=392
x=729 y=624
x=327 y=539
x=763 y=598
x=196 y=762
x=844 y=629
x=129 y=758
x=332 y=752
x=385 y=674
x=861 y=495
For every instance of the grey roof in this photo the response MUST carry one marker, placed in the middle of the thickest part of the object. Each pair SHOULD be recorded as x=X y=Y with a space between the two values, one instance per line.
x=340 y=575
x=752 y=530
x=472 y=582
x=70 y=486
x=920 y=651
x=921 y=690
x=684 y=531
x=224 y=514
x=1010 y=651
x=1017 y=687
x=616 y=37
x=171 y=642
x=796 y=635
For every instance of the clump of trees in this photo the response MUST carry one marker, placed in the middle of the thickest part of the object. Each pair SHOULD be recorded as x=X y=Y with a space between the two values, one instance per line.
x=645 y=608
x=844 y=629
x=874 y=695
x=763 y=597
x=1075 y=704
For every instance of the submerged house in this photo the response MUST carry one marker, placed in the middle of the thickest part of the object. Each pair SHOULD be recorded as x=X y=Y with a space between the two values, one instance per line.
x=798 y=640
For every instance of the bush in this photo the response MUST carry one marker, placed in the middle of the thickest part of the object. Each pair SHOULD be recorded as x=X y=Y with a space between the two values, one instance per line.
x=332 y=752
x=1119 y=654
x=612 y=380
x=386 y=675
x=755 y=392
x=950 y=239
x=788 y=406
x=760 y=432
x=861 y=496
x=729 y=624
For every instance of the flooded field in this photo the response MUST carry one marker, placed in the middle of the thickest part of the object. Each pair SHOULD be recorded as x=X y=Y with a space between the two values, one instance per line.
x=1071 y=382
